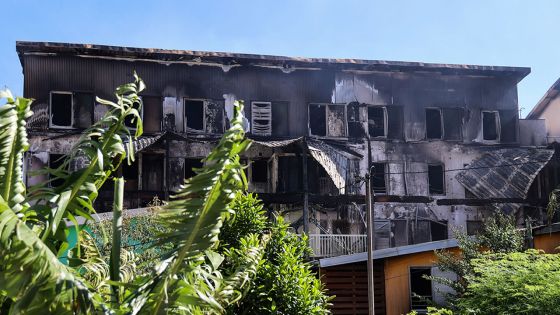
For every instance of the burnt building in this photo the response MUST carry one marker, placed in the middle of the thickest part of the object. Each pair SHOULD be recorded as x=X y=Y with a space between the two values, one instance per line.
x=444 y=142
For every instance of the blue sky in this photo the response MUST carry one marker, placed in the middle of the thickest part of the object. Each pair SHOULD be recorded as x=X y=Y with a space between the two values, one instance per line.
x=507 y=33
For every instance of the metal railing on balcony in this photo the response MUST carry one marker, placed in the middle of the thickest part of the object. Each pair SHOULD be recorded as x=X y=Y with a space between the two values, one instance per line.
x=330 y=245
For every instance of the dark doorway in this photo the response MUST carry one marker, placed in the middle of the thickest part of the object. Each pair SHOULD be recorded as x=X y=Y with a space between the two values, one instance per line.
x=191 y=165
x=490 y=125
x=420 y=288
x=259 y=171
x=436 y=179
x=318 y=120
x=376 y=121
x=152 y=172
x=61 y=109
x=378 y=178
x=55 y=161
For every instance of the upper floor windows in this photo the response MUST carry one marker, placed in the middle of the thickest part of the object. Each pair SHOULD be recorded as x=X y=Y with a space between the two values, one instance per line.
x=203 y=115
x=490 y=126
x=377 y=121
x=436 y=179
x=327 y=120
x=434 y=123
x=261 y=118
x=70 y=109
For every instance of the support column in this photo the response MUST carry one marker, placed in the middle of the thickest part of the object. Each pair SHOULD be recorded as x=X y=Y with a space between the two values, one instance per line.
x=305 y=188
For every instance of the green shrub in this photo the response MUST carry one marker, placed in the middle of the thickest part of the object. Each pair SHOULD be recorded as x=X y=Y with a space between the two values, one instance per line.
x=514 y=283
x=285 y=283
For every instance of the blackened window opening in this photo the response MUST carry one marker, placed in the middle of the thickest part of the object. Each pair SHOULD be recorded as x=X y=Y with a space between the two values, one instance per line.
x=190 y=166
x=130 y=121
x=376 y=121
x=378 y=178
x=489 y=126
x=55 y=161
x=420 y=288
x=259 y=171
x=194 y=114
x=438 y=230
x=317 y=120
x=436 y=179
x=130 y=175
x=61 y=109
x=433 y=123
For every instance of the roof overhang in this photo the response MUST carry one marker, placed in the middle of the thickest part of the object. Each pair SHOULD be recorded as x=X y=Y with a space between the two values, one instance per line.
x=551 y=94
x=388 y=252
x=287 y=64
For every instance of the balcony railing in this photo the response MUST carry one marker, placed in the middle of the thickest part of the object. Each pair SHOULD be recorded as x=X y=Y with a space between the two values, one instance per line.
x=330 y=245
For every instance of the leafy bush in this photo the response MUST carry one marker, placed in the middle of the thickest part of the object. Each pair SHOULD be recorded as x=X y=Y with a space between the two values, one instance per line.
x=513 y=283
x=285 y=282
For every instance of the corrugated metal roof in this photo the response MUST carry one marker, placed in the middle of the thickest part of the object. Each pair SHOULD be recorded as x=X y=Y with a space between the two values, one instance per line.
x=235 y=59
x=143 y=142
x=334 y=163
x=505 y=173
x=277 y=143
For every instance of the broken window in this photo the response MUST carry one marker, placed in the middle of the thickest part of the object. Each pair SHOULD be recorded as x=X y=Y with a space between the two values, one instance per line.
x=261 y=118
x=61 y=109
x=152 y=113
x=354 y=117
x=490 y=125
x=130 y=175
x=83 y=109
x=55 y=161
x=318 y=120
x=438 y=230
x=420 y=288
x=378 y=178
x=394 y=122
x=191 y=165
x=130 y=120
x=152 y=172
x=436 y=179
x=327 y=120
x=194 y=114
x=377 y=121
x=259 y=171
x=434 y=128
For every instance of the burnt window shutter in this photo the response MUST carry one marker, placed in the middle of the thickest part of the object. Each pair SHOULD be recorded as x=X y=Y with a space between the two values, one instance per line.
x=395 y=122
x=452 y=123
x=214 y=115
x=83 y=109
x=508 y=125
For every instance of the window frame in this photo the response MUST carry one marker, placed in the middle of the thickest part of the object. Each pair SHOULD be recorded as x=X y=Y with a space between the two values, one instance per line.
x=327 y=109
x=441 y=123
x=385 y=175
x=444 y=183
x=385 y=121
x=185 y=119
x=53 y=126
x=498 y=125
x=253 y=117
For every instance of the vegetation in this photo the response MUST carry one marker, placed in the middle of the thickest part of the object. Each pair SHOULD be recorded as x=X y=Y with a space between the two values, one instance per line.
x=513 y=283
x=285 y=283
x=498 y=234
x=33 y=235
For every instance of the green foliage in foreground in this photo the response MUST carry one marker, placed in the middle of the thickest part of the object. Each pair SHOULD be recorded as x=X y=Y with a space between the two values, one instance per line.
x=285 y=283
x=191 y=277
x=514 y=283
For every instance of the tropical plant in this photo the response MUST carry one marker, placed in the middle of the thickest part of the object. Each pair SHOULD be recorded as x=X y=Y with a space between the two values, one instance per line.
x=33 y=229
x=285 y=283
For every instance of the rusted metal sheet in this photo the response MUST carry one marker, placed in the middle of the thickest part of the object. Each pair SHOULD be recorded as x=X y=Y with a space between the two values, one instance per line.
x=505 y=173
x=278 y=143
x=143 y=142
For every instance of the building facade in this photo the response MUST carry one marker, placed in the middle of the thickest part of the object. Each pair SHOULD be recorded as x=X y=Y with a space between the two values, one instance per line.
x=444 y=143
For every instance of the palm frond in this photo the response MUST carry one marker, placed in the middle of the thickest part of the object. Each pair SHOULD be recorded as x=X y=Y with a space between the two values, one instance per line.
x=33 y=277
x=13 y=142
x=194 y=217
x=102 y=145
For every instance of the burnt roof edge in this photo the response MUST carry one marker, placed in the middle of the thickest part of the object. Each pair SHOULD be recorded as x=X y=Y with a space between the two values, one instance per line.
x=168 y=55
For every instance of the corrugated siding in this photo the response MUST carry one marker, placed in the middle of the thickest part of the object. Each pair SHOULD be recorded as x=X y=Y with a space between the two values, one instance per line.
x=349 y=284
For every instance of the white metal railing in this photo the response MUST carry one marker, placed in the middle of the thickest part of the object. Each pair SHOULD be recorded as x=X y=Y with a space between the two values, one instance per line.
x=329 y=245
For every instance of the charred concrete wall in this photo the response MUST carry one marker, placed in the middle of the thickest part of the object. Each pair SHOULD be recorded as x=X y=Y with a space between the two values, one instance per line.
x=415 y=121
